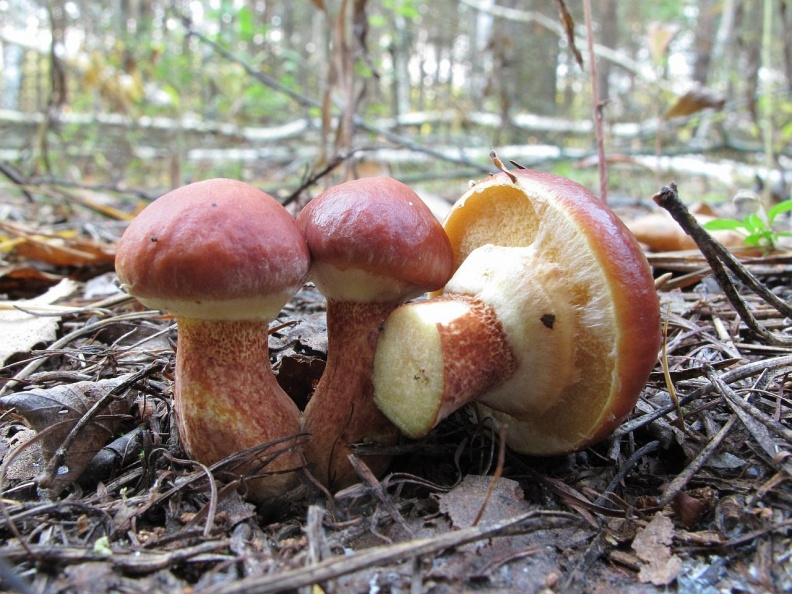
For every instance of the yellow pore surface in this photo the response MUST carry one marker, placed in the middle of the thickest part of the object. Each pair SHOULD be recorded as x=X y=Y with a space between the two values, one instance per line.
x=495 y=211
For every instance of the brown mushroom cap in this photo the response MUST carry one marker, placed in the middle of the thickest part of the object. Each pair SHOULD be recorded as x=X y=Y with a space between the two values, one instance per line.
x=217 y=250
x=373 y=239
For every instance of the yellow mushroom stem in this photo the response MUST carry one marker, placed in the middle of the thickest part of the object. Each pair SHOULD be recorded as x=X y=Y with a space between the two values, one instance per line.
x=502 y=333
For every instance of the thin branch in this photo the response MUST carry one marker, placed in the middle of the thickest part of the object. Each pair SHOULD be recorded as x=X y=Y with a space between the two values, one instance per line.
x=683 y=478
x=625 y=468
x=60 y=454
x=778 y=365
x=17 y=178
x=314 y=177
x=758 y=430
x=597 y=105
x=718 y=258
x=310 y=103
x=529 y=16
x=379 y=556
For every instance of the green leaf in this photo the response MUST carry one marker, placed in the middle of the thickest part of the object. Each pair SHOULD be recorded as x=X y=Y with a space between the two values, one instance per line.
x=779 y=208
x=723 y=225
x=246 y=25
x=362 y=70
x=786 y=132
x=754 y=223
x=174 y=95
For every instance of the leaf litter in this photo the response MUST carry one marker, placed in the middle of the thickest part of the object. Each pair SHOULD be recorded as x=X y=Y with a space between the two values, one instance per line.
x=696 y=503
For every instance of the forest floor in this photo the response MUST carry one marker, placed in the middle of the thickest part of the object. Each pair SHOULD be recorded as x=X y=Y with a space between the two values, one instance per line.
x=694 y=503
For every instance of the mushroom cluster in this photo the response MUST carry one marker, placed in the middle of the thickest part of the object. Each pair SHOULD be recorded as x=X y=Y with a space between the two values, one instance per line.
x=550 y=321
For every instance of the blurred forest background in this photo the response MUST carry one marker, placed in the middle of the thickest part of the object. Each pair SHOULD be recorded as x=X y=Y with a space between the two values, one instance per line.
x=146 y=95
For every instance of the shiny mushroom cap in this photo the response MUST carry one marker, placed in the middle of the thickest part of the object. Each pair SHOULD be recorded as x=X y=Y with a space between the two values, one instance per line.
x=215 y=250
x=373 y=239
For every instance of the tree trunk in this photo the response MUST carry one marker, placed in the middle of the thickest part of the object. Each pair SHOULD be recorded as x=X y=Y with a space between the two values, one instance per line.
x=607 y=14
x=705 y=36
x=400 y=52
x=11 y=76
x=750 y=47
x=785 y=7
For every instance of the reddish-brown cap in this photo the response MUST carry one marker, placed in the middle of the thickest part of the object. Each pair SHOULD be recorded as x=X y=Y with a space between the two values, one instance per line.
x=373 y=239
x=215 y=249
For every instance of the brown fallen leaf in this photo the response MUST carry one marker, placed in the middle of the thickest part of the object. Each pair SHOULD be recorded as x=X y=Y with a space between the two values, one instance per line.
x=660 y=233
x=695 y=100
x=22 y=329
x=659 y=38
x=568 y=23
x=54 y=412
x=463 y=502
x=63 y=248
x=298 y=375
x=652 y=546
x=20 y=281
x=26 y=463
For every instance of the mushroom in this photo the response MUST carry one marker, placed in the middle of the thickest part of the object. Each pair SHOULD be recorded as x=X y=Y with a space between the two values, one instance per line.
x=550 y=322
x=374 y=244
x=224 y=258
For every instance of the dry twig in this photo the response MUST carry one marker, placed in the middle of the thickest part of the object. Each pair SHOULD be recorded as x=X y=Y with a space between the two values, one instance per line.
x=719 y=258
x=377 y=556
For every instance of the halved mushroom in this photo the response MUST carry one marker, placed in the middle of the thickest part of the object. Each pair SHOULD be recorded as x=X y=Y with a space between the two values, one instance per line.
x=551 y=320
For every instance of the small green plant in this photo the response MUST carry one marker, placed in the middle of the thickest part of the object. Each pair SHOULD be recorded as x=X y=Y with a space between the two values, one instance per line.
x=757 y=227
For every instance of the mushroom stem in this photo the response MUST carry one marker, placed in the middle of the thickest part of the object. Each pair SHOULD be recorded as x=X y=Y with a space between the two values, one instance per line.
x=225 y=389
x=435 y=356
x=342 y=410
x=503 y=326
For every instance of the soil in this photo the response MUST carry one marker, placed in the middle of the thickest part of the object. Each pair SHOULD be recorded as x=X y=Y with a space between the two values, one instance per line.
x=692 y=493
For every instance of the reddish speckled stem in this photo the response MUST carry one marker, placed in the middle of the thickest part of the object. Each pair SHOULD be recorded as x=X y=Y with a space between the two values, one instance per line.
x=342 y=410
x=227 y=398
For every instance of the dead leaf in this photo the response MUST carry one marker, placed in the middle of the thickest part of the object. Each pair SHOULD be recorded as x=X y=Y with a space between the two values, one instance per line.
x=58 y=409
x=25 y=282
x=463 y=502
x=696 y=100
x=660 y=36
x=90 y=578
x=298 y=375
x=568 y=23
x=236 y=508
x=652 y=546
x=22 y=331
x=688 y=509
x=660 y=233
x=26 y=463
x=58 y=249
